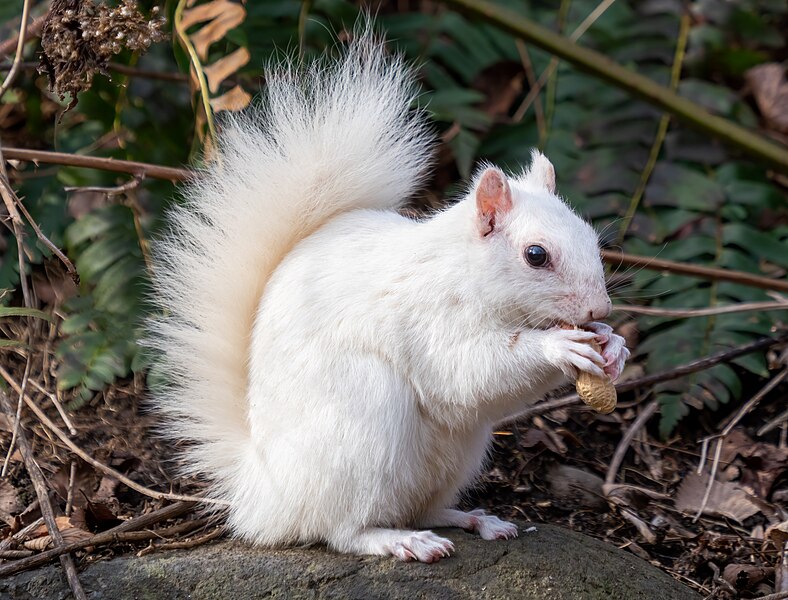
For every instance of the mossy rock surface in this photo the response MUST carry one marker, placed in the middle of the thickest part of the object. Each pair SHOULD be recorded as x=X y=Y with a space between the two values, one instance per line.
x=550 y=563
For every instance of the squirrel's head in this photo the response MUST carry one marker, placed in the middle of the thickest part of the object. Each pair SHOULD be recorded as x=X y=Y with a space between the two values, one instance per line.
x=540 y=257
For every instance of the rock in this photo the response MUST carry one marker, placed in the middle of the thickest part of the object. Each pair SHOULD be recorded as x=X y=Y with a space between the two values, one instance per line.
x=550 y=563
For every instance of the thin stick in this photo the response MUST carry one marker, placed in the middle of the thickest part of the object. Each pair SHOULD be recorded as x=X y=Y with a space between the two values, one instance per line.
x=599 y=65
x=20 y=46
x=658 y=264
x=21 y=534
x=72 y=271
x=72 y=478
x=774 y=423
x=182 y=544
x=39 y=484
x=93 y=162
x=533 y=84
x=701 y=312
x=18 y=415
x=109 y=191
x=621 y=450
x=61 y=411
x=775 y=596
x=96 y=464
x=537 y=86
x=106 y=537
x=16 y=221
x=33 y=30
x=747 y=407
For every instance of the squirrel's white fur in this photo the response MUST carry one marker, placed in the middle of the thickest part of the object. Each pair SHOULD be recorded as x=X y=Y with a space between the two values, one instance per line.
x=337 y=367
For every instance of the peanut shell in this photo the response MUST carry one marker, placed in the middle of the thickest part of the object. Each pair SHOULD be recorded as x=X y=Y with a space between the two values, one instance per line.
x=598 y=392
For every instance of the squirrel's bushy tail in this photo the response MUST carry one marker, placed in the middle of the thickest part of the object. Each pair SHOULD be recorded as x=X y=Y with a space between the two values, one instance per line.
x=325 y=139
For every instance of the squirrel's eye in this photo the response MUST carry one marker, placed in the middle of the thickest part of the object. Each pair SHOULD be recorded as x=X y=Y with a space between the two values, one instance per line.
x=536 y=256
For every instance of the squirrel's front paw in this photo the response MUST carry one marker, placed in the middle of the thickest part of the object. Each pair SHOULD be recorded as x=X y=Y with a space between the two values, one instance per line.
x=569 y=350
x=614 y=349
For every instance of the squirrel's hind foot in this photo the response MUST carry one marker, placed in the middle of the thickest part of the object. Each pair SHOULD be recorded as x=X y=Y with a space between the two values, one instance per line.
x=423 y=546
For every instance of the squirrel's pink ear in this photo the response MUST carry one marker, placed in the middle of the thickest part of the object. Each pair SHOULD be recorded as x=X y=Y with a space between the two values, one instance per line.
x=493 y=199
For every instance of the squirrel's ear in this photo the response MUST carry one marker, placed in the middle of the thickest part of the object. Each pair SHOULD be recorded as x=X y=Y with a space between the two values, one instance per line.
x=493 y=199
x=541 y=173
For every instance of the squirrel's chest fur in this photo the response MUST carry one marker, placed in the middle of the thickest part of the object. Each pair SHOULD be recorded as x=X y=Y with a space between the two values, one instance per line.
x=332 y=403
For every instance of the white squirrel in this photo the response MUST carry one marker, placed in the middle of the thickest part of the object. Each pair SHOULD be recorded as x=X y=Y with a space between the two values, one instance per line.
x=337 y=367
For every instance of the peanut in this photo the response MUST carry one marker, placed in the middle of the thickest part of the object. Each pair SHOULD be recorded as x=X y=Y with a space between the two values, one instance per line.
x=598 y=392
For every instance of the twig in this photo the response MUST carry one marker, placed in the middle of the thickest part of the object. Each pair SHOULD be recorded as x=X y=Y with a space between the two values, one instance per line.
x=621 y=450
x=16 y=222
x=658 y=264
x=603 y=67
x=537 y=86
x=182 y=544
x=775 y=596
x=774 y=423
x=18 y=414
x=21 y=534
x=96 y=464
x=106 y=537
x=701 y=312
x=121 y=69
x=58 y=406
x=142 y=73
x=33 y=30
x=72 y=479
x=39 y=484
x=647 y=380
x=533 y=84
x=20 y=46
x=15 y=554
x=747 y=407
x=94 y=162
x=72 y=271
x=109 y=191
x=196 y=65
x=662 y=129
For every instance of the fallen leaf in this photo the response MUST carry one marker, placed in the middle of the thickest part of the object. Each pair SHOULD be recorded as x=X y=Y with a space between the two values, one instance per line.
x=67 y=529
x=777 y=533
x=745 y=577
x=725 y=500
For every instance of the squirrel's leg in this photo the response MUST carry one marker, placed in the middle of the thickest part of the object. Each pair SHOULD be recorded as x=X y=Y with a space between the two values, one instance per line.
x=489 y=527
x=423 y=546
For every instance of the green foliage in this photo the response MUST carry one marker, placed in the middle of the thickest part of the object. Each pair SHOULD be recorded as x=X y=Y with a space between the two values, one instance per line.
x=104 y=321
x=702 y=204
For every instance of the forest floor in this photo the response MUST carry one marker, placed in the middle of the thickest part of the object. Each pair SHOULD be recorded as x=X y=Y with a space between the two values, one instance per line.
x=547 y=468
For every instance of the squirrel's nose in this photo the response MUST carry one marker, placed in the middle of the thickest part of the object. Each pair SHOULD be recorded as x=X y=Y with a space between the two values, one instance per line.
x=600 y=311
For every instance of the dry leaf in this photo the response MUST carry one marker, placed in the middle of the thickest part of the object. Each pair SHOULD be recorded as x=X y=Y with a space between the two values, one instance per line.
x=726 y=499
x=9 y=501
x=67 y=528
x=230 y=17
x=745 y=577
x=224 y=67
x=204 y=12
x=777 y=533
x=70 y=535
x=770 y=88
x=236 y=99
